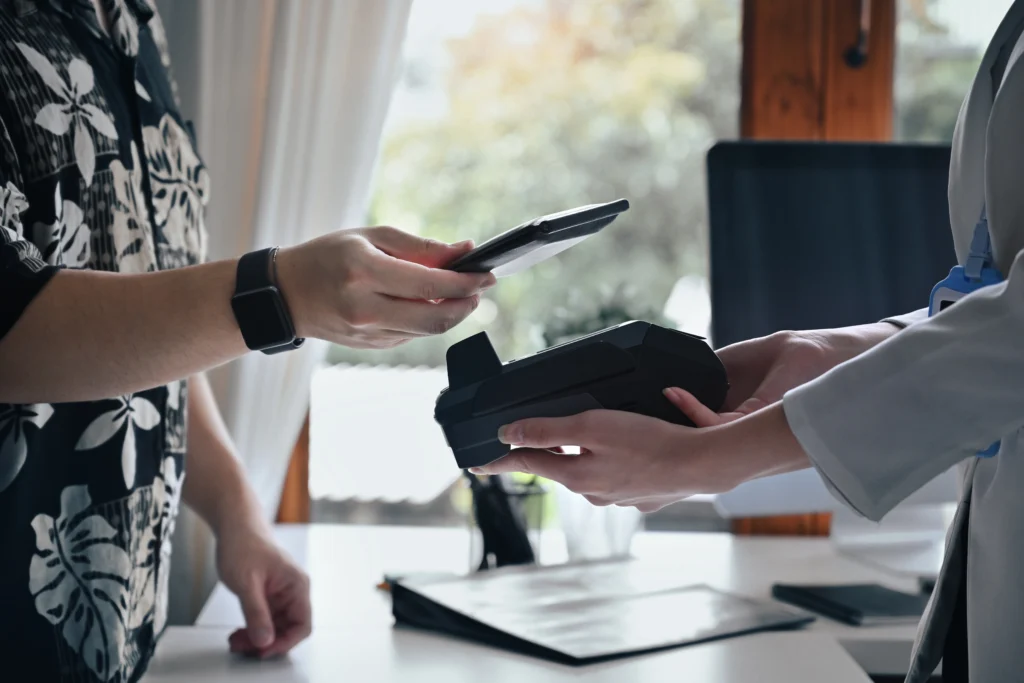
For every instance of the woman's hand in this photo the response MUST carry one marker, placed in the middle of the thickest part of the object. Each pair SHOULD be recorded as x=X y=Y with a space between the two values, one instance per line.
x=762 y=370
x=633 y=460
x=637 y=461
x=376 y=287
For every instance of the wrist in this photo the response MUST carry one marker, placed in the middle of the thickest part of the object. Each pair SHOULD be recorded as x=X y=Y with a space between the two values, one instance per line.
x=874 y=334
x=774 y=445
x=856 y=340
x=245 y=518
x=260 y=307
x=759 y=445
x=289 y=275
x=235 y=507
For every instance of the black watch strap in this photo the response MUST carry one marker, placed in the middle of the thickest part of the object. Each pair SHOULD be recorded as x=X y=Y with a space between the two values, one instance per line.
x=256 y=272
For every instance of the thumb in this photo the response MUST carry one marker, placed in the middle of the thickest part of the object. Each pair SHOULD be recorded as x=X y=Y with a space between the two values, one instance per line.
x=408 y=247
x=258 y=623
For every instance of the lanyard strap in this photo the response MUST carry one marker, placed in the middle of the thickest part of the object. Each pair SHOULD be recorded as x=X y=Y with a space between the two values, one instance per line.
x=980 y=256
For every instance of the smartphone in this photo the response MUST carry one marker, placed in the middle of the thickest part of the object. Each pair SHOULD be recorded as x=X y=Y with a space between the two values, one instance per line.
x=528 y=244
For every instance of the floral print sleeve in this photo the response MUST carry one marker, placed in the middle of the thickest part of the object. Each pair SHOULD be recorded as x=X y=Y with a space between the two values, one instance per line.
x=23 y=271
x=99 y=171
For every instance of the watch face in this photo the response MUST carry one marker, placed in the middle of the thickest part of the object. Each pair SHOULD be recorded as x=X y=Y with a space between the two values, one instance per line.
x=262 y=318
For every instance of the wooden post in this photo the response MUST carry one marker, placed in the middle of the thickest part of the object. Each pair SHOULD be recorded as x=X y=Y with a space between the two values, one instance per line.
x=857 y=103
x=798 y=84
x=783 y=64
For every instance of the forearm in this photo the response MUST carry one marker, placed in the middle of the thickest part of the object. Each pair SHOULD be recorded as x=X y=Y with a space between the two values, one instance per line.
x=760 y=444
x=90 y=335
x=215 y=486
x=883 y=425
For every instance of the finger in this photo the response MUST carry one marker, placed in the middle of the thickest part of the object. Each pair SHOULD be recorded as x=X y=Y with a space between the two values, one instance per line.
x=585 y=429
x=399 y=335
x=700 y=414
x=648 y=503
x=554 y=466
x=297 y=620
x=287 y=639
x=408 y=280
x=422 y=317
x=651 y=506
x=387 y=341
x=751 y=405
x=425 y=251
x=239 y=642
x=388 y=338
x=258 y=623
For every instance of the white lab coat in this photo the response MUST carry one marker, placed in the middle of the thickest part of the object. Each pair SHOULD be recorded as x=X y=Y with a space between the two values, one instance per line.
x=882 y=425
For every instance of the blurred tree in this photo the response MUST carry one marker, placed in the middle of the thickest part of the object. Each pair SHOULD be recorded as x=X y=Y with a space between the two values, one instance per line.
x=935 y=68
x=928 y=113
x=558 y=104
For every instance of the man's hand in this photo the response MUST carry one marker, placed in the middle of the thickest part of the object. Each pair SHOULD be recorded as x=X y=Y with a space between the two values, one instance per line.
x=377 y=287
x=79 y=339
x=274 y=593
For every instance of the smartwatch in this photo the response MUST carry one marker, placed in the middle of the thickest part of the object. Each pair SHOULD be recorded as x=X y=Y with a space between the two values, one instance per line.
x=259 y=308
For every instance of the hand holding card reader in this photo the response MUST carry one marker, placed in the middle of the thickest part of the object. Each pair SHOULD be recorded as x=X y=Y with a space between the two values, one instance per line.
x=625 y=367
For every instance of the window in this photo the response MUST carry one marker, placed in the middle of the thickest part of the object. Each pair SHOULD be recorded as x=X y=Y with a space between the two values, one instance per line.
x=939 y=45
x=508 y=109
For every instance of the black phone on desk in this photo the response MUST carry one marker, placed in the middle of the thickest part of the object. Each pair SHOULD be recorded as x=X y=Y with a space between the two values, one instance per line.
x=537 y=240
x=864 y=604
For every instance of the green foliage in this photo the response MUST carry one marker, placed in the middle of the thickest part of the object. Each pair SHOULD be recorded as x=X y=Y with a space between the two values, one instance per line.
x=580 y=101
x=933 y=72
x=583 y=316
x=560 y=105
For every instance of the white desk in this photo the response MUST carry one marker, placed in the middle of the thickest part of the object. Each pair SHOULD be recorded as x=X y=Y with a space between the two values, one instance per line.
x=345 y=563
x=385 y=655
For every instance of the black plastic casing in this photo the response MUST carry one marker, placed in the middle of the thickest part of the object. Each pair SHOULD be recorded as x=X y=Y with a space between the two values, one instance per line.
x=538 y=240
x=625 y=367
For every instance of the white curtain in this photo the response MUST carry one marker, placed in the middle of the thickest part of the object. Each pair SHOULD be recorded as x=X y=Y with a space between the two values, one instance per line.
x=292 y=97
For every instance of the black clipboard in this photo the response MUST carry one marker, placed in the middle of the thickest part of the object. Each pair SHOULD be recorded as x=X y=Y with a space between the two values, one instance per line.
x=583 y=613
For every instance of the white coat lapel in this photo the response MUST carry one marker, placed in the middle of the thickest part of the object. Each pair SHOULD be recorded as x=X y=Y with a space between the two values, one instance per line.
x=1004 y=168
x=967 y=165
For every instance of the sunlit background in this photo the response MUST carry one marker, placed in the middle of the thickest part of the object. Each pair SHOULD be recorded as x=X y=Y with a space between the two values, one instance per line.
x=508 y=109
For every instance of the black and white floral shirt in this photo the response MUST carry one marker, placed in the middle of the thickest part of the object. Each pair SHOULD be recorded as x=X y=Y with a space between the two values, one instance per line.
x=98 y=171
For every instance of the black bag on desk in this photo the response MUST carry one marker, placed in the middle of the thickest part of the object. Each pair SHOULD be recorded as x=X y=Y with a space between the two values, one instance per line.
x=582 y=613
